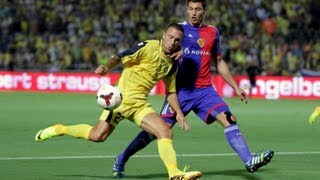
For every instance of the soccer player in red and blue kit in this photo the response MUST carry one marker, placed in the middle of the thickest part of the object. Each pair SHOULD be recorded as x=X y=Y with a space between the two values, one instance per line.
x=195 y=92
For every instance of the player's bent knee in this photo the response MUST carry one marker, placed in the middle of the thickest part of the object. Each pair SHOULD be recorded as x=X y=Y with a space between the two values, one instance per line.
x=232 y=119
x=164 y=133
x=152 y=137
x=97 y=137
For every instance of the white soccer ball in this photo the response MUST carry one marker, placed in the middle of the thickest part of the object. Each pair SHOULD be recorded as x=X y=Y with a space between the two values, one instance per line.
x=109 y=97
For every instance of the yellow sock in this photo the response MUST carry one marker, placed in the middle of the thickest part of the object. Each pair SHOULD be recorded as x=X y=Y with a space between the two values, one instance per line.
x=168 y=156
x=78 y=131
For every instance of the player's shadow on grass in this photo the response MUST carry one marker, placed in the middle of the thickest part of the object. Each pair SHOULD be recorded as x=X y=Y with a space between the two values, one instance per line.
x=82 y=176
x=143 y=176
x=232 y=173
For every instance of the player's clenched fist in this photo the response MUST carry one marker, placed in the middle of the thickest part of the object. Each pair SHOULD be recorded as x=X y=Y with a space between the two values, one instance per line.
x=101 y=70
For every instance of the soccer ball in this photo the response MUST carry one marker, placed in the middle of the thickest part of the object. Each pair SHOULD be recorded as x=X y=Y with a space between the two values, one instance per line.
x=109 y=97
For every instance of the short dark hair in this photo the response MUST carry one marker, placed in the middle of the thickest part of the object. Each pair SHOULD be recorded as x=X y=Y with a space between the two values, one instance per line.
x=203 y=2
x=175 y=26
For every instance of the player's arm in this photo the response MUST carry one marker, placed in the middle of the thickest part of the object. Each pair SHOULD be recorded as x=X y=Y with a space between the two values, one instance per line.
x=172 y=99
x=224 y=71
x=132 y=54
x=104 y=69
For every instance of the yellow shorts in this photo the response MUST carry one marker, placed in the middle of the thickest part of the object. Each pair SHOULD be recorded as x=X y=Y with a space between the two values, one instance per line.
x=133 y=110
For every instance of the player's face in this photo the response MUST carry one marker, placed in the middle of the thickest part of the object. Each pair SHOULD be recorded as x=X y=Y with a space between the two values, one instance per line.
x=171 y=40
x=195 y=13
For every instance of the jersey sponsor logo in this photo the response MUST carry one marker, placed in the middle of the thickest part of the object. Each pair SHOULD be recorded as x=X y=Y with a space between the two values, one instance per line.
x=196 y=52
x=201 y=42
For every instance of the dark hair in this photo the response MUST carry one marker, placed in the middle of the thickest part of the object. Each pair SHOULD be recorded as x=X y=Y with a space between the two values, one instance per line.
x=175 y=26
x=203 y=2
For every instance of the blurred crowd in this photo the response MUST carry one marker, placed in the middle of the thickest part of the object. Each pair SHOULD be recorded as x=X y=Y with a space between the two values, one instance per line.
x=280 y=37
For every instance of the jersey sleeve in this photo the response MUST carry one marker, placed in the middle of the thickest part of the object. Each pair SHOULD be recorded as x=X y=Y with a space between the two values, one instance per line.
x=216 y=50
x=170 y=79
x=132 y=54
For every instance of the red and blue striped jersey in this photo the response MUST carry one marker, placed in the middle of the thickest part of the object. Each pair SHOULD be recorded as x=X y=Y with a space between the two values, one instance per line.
x=200 y=45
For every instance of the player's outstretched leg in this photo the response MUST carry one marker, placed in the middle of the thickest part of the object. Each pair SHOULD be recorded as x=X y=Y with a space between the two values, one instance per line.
x=77 y=131
x=315 y=114
x=168 y=156
x=48 y=133
x=258 y=160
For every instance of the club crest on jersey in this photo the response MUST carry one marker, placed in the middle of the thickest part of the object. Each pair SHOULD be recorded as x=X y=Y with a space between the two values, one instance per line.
x=201 y=42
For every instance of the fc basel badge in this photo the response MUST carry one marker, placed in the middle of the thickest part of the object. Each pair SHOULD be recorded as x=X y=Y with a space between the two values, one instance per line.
x=201 y=42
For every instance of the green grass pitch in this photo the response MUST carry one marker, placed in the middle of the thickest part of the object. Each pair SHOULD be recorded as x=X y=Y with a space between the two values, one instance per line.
x=281 y=125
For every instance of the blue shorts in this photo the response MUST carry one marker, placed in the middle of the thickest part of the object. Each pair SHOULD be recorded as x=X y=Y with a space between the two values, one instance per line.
x=204 y=102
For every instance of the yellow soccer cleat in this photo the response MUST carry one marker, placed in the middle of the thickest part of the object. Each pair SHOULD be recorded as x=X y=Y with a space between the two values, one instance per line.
x=192 y=175
x=47 y=133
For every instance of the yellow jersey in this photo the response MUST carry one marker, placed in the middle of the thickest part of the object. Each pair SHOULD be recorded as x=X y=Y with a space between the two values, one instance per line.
x=145 y=65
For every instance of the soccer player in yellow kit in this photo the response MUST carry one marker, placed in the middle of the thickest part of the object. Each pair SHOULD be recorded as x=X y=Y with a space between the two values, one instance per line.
x=145 y=65
x=315 y=115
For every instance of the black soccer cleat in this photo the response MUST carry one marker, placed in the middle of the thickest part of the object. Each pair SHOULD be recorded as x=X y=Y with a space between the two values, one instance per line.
x=118 y=169
x=258 y=160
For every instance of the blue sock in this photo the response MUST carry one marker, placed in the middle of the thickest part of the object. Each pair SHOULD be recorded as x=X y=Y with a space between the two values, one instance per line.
x=140 y=142
x=237 y=142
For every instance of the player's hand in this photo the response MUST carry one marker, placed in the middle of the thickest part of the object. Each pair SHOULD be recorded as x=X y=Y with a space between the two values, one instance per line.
x=182 y=121
x=242 y=94
x=177 y=55
x=101 y=70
